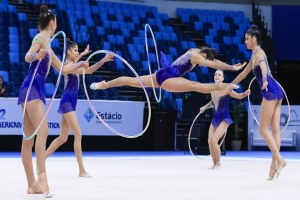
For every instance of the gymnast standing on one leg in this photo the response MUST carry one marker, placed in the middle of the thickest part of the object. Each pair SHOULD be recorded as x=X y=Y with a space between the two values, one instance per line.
x=272 y=98
x=221 y=119
x=170 y=77
x=36 y=99
x=68 y=105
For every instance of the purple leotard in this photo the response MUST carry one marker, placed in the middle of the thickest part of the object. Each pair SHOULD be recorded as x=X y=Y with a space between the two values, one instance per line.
x=178 y=68
x=38 y=90
x=221 y=112
x=68 y=100
x=274 y=90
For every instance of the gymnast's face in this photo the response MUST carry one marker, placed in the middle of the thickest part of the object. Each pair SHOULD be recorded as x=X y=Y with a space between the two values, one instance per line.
x=250 y=41
x=219 y=76
x=204 y=55
x=73 y=53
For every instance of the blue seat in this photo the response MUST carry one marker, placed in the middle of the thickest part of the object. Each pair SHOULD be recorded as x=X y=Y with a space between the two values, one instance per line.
x=169 y=29
x=216 y=25
x=130 y=26
x=204 y=70
x=131 y=48
x=13 y=57
x=193 y=76
x=120 y=39
x=135 y=56
x=245 y=21
x=179 y=12
x=140 y=48
x=237 y=20
x=184 y=45
x=213 y=32
x=166 y=36
x=106 y=24
x=13 y=39
x=90 y=22
x=13 y=31
x=173 y=37
x=192 y=44
x=106 y=46
x=162 y=29
x=198 y=26
x=112 y=39
x=103 y=17
x=223 y=13
x=95 y=9
x=239 y=33
x=225 y=26
x=227 y=40
x=32 y=32
x=136 y=41
x=242 y=48
x=164 y=16
x=78 y=8
x=4 y=74
x=209 y=40
x=215 y=46
x=22 y=17
x=120 y=18
x=135 y=20
x=158 y=35
x=55 y=43
x=123 y=25
x=11 y=8
x=151 y=22
x=173 y=51
x=115 y=25
x=49 y=89
x=14 y=48
x=125 y=32
x=100 y=30
x=142 y=14
x=236 y=40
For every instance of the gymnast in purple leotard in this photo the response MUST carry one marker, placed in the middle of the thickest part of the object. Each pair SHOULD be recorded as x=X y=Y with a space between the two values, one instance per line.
x=35 y=109
x=68 y=103
x=221 y=118
x=170 y=76
x=272 y=98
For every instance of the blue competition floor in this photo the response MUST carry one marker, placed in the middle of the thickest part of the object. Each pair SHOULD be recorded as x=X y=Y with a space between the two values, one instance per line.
x=240 y=154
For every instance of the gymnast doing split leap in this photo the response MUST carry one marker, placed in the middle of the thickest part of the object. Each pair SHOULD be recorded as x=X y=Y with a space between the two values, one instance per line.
x=170 y=76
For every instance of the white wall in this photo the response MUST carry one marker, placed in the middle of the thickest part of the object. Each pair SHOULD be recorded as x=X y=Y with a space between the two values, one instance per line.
x=169 y=7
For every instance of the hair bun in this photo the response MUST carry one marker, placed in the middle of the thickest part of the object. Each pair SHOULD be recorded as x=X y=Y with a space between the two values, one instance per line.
x=254 y=27
x=43 y=9
x=214 y=51
x=68 y=40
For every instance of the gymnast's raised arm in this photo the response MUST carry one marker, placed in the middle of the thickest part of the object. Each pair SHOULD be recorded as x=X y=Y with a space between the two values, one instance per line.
x=216 y=64
x=243 y=74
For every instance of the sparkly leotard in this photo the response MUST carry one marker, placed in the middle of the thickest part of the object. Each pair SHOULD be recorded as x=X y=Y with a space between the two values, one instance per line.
x=274 y=90
x=38 y=86
x=68 y=100
x=221 y=112
x=178 y=68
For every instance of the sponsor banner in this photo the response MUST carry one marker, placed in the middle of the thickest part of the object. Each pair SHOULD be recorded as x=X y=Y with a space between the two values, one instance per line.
x=124 y=116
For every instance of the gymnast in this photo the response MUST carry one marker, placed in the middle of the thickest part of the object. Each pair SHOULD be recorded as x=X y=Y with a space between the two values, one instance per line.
x=272 y=98
x=68 y=105
x=221 y=118
x=170 y=77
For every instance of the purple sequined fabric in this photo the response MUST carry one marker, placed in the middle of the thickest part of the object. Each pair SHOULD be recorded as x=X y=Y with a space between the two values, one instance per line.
x=38 y=86
x=68 y=100
x=221 y=113
x=274 y=90
x=177 y=69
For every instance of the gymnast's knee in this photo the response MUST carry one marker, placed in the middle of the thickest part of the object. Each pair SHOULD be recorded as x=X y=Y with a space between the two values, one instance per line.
x=62 y=139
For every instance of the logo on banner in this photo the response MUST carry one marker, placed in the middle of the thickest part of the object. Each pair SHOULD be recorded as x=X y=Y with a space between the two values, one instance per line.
x=88 y=115
x=110 y=118
x=8 y=124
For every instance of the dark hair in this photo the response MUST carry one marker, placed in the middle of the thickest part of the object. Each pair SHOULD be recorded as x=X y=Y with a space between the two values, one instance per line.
x=2 y=80
x=70 y=44
x=254 y=32
x=210 y=52
x=45 y=17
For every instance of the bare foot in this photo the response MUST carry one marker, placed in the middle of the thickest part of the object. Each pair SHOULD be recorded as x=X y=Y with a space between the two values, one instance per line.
x=84 y=175
x=43 y=184
x=229 y=87
x=99 y=86
x=34 y=189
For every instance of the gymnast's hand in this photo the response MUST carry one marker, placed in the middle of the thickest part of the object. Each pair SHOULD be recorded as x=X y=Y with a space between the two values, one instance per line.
x=265 y=86
x=247 y=93
x=238 y=66
x=86 y=65
x=41 y=54
x=108 y=58
x=86 y=51
x=202 y=109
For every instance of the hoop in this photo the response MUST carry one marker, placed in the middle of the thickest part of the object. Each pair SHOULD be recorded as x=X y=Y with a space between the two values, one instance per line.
x=56 y=86
x=189 y=142
x=149 y=66
x=287 y=100
x=94 y=110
